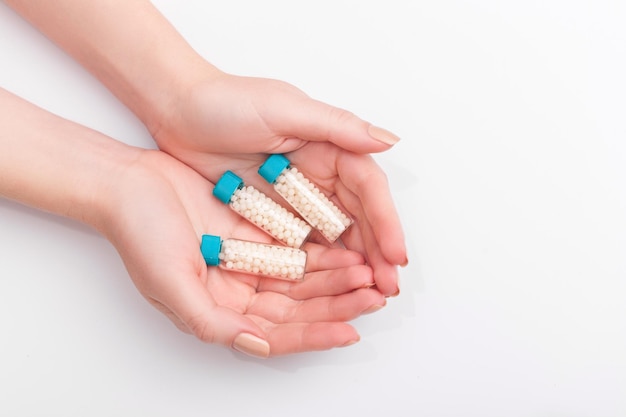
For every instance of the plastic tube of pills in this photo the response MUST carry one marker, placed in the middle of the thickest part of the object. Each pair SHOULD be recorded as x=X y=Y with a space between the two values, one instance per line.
x=305 y=197
x=261 y=210
x=255 y=258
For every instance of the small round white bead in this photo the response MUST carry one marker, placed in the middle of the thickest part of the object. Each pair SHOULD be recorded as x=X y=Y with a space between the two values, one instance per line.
x=270 y=216
x=251 y=257
x=312 y=204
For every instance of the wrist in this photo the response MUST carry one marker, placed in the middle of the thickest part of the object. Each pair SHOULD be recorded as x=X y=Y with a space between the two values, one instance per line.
x=159 y=108
x=96 y=200
x=143 y=61
x=56 y=165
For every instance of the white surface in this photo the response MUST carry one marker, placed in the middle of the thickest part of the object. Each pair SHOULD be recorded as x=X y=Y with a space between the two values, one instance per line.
x=510 y=180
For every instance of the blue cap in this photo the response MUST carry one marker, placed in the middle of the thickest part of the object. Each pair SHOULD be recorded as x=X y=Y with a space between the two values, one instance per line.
x=226 y=186
x=273 y=166
x=210 y=248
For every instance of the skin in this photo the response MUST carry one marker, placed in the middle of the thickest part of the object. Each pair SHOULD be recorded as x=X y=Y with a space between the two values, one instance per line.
x=205 y=121
x=153 y=207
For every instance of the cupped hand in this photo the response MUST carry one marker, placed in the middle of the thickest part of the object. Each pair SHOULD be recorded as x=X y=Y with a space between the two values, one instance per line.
x=229 y=122
x=156 y=215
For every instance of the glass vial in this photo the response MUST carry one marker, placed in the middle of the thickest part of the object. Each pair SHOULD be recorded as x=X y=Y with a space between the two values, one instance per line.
x=255 y=258
x=261 y=210
x=305 y=197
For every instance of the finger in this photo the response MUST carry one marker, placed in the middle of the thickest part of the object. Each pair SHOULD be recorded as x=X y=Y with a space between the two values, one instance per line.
x=366 y=180
x=361 y=237
x=183 y=293
x=322 y=283
x=316 y=121
x=322 y=257
x=352 y=238
x=304 y=337
x=385 y=273
x=278 y=308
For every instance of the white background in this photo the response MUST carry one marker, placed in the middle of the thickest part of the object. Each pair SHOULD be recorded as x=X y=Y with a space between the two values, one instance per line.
x=511 y=183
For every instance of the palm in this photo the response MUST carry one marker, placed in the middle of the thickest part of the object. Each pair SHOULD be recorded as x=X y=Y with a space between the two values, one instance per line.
x=351 y=180
x=232 y=123
x=158 y=238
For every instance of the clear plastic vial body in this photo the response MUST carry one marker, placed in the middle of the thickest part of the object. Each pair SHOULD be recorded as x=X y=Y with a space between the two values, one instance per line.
x=262 y=211
x=304 y=196
x=254 y=258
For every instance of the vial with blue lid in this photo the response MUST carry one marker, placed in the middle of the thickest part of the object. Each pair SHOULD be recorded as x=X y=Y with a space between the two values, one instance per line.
x=280 y=262
x=305 y=197
x=261 y=210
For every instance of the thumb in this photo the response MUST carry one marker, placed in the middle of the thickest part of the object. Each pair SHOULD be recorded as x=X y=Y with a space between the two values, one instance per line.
x=316 y=121
x=197 y=310
x=229 y=328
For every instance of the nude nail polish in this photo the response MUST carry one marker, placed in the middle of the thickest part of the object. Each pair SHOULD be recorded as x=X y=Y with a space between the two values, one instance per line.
x=351 y=342
x=251 y=345
x=382 y=135
x=374 y=308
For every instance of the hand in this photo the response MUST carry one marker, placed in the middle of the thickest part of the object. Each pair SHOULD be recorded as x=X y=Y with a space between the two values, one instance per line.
x=221 y=122
x=154 y=209
x=214 y=121
x=155 y=216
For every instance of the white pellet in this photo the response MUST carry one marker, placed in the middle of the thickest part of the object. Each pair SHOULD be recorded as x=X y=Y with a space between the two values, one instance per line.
x=270 y=216
x=279 y=262
x=312 y=204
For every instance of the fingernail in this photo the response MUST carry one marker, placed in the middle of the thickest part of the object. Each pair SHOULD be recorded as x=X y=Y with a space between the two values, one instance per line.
x=369 y=285
x=397 y=293
x=382 y=135
x=374 y=308
x=251 y=345
x=405 y=263
x=351 y=342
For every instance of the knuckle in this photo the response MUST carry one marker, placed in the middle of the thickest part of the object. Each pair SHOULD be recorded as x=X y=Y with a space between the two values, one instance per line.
x=338 y=117
x=201 y=329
